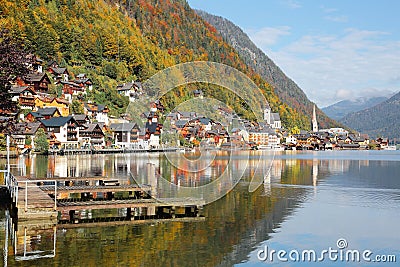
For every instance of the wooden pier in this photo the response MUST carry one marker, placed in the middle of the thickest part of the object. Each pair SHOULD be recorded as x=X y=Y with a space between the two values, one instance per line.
x=38 y=205
x=68 y=199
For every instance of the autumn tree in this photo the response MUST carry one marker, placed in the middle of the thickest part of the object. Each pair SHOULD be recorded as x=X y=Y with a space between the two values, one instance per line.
x=76 y=107
x=14 y=62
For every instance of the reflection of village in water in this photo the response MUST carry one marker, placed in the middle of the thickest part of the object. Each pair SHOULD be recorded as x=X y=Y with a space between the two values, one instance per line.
x=32 y=241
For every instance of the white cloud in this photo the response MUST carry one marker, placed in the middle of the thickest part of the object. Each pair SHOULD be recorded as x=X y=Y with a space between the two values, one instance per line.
x=268 y=36
x=292 y=4
x=343 y=94
x=328 y=9
x=346 y=65
x=339 y=18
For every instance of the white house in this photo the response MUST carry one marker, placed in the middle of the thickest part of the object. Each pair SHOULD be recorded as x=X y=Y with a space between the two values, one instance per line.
x=65 y=130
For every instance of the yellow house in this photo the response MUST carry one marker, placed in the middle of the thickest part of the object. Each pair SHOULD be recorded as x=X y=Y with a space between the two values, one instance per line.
x=61 y=104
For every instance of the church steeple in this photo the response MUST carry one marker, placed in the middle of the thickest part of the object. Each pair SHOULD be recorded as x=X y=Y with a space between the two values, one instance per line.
x=267 y=113
x=314 y=121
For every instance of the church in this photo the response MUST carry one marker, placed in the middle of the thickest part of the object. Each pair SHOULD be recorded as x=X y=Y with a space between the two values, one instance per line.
x=272 y=119
x=314 y=123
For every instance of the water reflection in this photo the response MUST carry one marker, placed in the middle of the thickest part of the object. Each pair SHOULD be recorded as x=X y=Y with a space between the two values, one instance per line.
x=298 y=196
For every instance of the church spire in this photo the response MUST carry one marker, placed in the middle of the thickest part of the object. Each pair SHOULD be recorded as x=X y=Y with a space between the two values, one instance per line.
x=314 y=121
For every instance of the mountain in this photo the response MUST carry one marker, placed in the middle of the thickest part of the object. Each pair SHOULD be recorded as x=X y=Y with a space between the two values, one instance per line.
x=116 y=41
x=340 y=109
x=287 y=90
x=174 y=26
x=380 y=120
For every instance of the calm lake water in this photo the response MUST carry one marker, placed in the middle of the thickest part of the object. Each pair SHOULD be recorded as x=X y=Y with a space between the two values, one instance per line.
x=305 y=201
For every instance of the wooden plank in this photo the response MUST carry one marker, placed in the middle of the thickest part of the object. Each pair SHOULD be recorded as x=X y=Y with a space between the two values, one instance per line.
x=39 y=204
x=128 y=203
x=98 y=189
x=104 y=178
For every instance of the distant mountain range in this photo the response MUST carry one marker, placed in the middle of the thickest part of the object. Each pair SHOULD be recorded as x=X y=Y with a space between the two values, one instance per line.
x=382 y=119
x=287 y=90
x=340 y=109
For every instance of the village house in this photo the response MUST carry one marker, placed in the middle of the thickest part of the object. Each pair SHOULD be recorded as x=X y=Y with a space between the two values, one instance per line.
x=152 y=133
x=84 y=81
x=24 y=96
x=26 y=131
x=59 y=74
x=33 y=117
x=39 y=81
x=45 y=101
x=126 y=135
x=198 y=93
x=35 y=63
x=97 y=112
x=131 y=89
x=71 y=88
x=48 y=112
x=260 y=137
x=65 y=131
x=81 y=119
x=42 y=114
x=91 y=135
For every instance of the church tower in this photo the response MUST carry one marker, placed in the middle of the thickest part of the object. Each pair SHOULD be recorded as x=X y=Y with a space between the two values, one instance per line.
x=314 y=121
x=267 y=114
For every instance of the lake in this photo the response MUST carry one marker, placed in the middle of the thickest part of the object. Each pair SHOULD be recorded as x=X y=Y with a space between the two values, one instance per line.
x=339 y=204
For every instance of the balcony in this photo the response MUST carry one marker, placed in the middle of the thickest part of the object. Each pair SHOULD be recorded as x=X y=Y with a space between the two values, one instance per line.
x=27 y=101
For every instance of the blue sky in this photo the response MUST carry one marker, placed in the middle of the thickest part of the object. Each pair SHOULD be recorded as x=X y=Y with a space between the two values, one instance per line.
x=333 y=50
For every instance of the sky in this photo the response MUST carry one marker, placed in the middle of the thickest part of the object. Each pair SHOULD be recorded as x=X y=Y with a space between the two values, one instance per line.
x=334 y=50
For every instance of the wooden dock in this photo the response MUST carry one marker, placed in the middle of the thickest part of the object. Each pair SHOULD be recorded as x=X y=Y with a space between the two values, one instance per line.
x=34 y=203
x=51 y=199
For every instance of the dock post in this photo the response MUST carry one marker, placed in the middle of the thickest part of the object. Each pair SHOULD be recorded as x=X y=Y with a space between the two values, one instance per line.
x=26 y=196
x=129 y=213
x=55 y=195
x=8 y=163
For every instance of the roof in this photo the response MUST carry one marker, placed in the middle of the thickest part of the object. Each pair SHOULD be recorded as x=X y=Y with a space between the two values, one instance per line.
x=61 y=100
x=275 y=116
x=122 y=127
x=74 y=84
x=188 y=114
x=124 y=87
x=20 y=89
x=205 y=121
x=90 y=127
x=32 y=127
x=80 y=117
x=57 y=121
x=95 y=107
x=47 y=111
x=83 y=81
x=181 y=123
x=151 y=127
x=59 y=70
x=35 y=77
x=36 y=115
x=52 y=62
